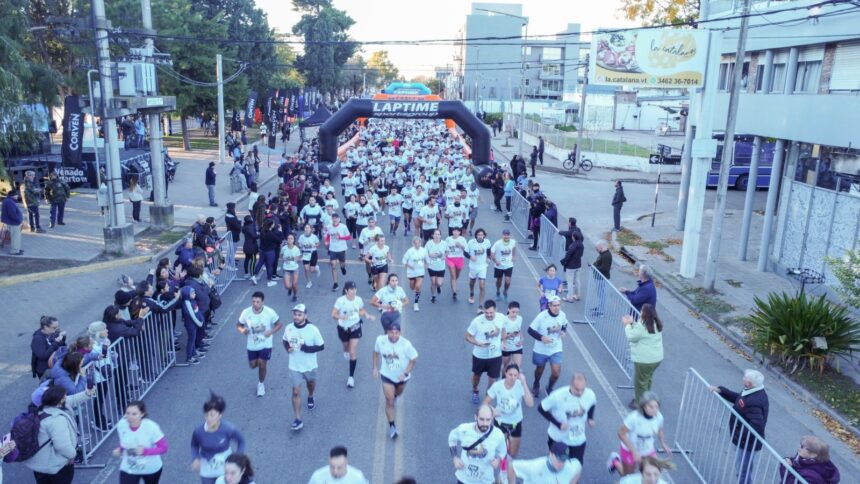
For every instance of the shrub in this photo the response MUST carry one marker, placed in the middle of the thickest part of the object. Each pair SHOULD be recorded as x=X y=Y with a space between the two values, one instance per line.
x=492 y=117
x=847 y=272
x=803 y=330
x=568 y=128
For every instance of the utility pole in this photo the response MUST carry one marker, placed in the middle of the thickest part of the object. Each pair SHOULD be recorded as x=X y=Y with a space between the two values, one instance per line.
x=581 y=113
x=523 y=89
x=118 y=235
x=752 y=184
x=728 y=153
x=219 y=77
x=160 y=213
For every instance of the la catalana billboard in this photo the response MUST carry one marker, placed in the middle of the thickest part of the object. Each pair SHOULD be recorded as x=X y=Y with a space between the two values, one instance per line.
x=667 y=58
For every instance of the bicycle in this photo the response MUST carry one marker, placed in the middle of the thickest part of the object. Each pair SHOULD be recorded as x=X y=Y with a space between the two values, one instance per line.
x=570 y=164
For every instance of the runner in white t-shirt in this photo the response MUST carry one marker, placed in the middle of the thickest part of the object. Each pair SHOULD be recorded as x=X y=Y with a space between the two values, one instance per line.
x=348 y=311
x=569 y=410
x=555 y=467
x=394 y=359
x=141 y=445
x=638 y=433
x=512 y=336
x=338 y=470
x=436 y=249
x=507 y=396
x=379 y=256
x=415 y=261
x=478 y=251
x=395 y=210
x=303 y=341
x=455 y=249
x=548 y=328
x=428 y=218
x=337 y=238
x=308 y=242
x=477 y=449
x=365 y=241
x=503 y=253
x=290 y=257
x=485 y=334
x=259 y=323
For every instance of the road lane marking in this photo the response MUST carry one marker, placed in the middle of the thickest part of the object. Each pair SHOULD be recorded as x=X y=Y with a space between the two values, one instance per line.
x=379 y=440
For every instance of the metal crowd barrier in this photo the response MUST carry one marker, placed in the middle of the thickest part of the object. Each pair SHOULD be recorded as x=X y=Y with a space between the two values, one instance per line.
x=520 y=214
x=604 y=308
x=224 y=252
x=704 y=437
x=551 y=244
x=132 y=368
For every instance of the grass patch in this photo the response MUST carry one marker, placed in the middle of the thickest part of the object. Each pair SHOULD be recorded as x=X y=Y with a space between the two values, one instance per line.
x=708 y=303
x=655 y=246
x=169 y=237
x=610 y=146
x=628 y=237
x=837 y=390
x=674 y=241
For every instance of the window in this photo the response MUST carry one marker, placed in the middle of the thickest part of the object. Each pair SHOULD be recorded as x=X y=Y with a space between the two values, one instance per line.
x=759 y=78
x=528 y=51
x=552 y=69
x=777 y=80
x=726 y=70
x=550 y=85
x=808 y=74
x=551 y=53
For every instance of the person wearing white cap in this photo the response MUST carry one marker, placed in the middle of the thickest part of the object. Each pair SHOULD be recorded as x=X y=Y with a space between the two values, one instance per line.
x=548 y=328
x=303 y=341
x=394 y=359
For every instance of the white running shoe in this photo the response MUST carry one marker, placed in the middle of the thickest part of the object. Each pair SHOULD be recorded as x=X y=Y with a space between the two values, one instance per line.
x=309 y=284
x=271 y=283
x=350 y=382
x=254 y=280
x=261 y=389
x=415 y=307
x=392 y=432
x=346 y=355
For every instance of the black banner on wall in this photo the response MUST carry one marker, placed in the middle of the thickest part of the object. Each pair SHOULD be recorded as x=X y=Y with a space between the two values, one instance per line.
x=73 y=131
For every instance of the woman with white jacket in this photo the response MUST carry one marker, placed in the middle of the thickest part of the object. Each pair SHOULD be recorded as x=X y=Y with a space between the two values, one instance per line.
x=58 y=433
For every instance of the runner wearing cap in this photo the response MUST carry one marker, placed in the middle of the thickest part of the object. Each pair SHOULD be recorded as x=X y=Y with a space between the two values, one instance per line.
x=548 y=328
x=415 y=261
x=308 y=243
x=303 y=341
x=503 y=253
x=485 y=334
x=555 y=467
x=290 y=257
x=477 y=449
x=394 y=359
x=568 y=410
x=259 y=323
x=477 y=250
x=348 y=311
x=337 y=236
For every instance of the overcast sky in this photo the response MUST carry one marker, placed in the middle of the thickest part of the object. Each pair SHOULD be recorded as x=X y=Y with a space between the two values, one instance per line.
x=438 y=19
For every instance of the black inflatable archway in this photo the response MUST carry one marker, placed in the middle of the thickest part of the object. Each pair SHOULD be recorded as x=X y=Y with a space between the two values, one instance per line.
x=367 y=108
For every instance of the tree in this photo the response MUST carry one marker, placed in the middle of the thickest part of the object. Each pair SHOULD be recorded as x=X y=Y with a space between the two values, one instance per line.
x=433 y=83
x=659 y=12
x=847 y=272
x=381 y=69
x=327 y=43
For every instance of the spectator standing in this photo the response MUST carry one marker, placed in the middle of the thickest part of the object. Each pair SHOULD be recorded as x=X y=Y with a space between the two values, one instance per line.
x=234 y=226
x=540 y=150
x=46 y=340
x=57 y=192
x=210 y=183
x=140 y=132
x=31 y=195
x=646 y=348
x=509 y=192
x=533 y=159
x=568 y=234
x=572 y=263
x=753 y=406
x=812 y=462
x=135 y=196
x=58 y=440
x=12 y=217
x=645 y=292
x=618 y=200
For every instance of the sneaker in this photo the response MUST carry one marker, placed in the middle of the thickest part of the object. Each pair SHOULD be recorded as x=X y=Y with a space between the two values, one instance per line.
x=415 y=307
x=297 y=424
x=261 y=389
x=61 y=223
x=392 y=432
x=454 y=296
x=613 y=463
x=334 y=287
x=271 y=283
x=193 y=361
x=200 y=355
x=254 y=280
x=433 y=299
x=438 y=290
x=311 y=403
x=475 y=398
x=346 y=355
x=350 y=382
x=498 y=296
x=343 y=270
x=309 y=284
x=40 y=230
x=535 y=390
x=471 y=299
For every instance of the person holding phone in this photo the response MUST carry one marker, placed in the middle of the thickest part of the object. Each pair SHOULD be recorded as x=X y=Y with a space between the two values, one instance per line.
x=141 y=445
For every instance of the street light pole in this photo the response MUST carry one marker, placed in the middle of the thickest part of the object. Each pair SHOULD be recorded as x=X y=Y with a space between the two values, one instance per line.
x=578 y=147
x=219 y=77
x=522 y=89
x=95 y=139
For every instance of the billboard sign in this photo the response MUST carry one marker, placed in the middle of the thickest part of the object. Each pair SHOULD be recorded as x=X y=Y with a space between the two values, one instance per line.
x=664 y=58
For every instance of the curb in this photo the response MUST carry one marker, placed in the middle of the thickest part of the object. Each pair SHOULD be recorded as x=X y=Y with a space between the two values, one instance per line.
x=775 y=371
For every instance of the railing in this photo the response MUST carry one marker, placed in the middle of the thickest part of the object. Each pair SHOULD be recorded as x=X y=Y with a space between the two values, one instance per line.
x=706 y=426
x=132 y=368
x=222 y=262
x=604 y=308
x=520 y=214
x=551 y=244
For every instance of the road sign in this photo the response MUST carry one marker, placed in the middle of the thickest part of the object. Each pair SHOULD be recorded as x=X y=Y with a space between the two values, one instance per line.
x=654 y=159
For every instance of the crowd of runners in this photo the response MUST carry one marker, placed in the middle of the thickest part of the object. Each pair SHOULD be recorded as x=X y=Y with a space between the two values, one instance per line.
x=401 y=179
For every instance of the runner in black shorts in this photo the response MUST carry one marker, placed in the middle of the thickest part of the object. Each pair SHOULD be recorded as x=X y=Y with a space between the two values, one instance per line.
x=508 y=395
x=348 y=311
x=485 y=334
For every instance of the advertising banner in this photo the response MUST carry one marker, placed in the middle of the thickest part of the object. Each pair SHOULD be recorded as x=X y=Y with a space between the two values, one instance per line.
x=249 y=109
x=73 y=131
x=664 y=58
x=406 y=109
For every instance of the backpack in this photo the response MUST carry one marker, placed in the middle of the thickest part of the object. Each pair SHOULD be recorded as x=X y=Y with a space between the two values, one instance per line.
x=25 y=433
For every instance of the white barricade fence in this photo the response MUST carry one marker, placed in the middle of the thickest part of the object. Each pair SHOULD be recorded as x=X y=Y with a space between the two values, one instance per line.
x=717 y=442
x=222 y=262
x=604 y=308
x=551 y=244
x=520 y=214
x=129 y=371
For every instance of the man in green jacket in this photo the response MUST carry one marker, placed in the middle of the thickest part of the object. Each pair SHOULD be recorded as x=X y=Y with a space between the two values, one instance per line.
x=57 y=192
x=30 y=195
